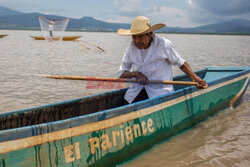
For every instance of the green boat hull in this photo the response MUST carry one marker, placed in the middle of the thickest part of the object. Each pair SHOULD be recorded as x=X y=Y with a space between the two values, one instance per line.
x=109 y=139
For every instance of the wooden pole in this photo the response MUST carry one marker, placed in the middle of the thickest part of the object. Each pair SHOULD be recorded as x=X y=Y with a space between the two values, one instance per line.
x=121 y=80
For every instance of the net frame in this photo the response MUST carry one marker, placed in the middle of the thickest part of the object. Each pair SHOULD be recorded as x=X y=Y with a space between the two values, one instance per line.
x=53 y=29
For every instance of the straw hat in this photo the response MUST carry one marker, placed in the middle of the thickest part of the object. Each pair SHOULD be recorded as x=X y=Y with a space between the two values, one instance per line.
x=140 y=25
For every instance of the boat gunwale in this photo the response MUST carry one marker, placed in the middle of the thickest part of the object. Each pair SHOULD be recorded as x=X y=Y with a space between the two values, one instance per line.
x=64 y=38
x=85 y=119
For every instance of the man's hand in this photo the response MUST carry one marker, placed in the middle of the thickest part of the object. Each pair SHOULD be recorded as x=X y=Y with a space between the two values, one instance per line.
x=187 y=69
x=140 y=78
x=202 y=83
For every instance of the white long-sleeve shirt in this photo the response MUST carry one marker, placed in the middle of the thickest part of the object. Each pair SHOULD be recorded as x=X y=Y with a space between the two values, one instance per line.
x=51 y=27
x=154 y=62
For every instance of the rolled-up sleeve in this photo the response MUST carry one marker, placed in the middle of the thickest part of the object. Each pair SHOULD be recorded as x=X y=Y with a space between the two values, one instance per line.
x=172 y=55
x=126 y=64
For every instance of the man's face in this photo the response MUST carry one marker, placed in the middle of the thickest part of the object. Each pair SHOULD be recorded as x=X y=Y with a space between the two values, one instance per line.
x=142 y=41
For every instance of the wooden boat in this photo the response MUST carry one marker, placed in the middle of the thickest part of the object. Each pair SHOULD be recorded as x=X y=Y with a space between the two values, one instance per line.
x=65 y=38
x=99 y=131
x=3 y=35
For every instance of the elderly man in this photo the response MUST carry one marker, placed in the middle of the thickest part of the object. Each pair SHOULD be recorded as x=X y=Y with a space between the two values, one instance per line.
x=151 y=58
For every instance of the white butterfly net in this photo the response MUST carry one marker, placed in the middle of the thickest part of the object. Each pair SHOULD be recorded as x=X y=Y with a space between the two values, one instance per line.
x=53 y=29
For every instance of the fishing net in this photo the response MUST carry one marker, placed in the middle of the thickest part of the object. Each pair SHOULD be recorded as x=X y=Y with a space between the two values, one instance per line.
x=53 y=29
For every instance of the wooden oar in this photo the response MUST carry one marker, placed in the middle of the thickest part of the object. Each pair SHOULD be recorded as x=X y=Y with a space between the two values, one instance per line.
x=90 y=44
x=121 y=80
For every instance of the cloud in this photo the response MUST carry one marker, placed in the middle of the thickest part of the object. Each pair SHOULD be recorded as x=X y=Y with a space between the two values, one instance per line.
x=205 y=11
x=28 y=6
x=120 y=19
x=196 y=12
x=129 y=8
x=225 y=7
x=20 y=5
x=189 y=2
x=173 y=17
x=126 y=11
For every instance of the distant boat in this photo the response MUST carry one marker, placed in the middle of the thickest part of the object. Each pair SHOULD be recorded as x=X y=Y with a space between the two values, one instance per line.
x=65 y=38
x=99 y=131
x=53 y=30
x=3 y=35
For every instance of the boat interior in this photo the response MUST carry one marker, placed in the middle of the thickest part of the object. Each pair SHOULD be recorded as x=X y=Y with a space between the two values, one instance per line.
x=85 y=105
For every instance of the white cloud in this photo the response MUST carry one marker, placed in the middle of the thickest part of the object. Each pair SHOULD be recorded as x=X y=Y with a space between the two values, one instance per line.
x=126 y=11
x=128 y=8
x=121 y=19
x=173 y=17
x=189 y=2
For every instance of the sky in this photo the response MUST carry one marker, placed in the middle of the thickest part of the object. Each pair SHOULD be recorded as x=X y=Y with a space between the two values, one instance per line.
x=173 y=13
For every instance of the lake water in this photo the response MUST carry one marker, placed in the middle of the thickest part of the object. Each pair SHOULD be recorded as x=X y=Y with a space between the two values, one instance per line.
x=223 y=140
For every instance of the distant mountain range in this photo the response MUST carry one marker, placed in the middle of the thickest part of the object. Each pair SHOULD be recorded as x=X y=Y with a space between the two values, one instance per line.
x=10 y=19
x=6 y=11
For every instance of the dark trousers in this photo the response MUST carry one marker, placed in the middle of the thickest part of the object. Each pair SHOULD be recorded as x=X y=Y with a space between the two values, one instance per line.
x=50 y=33
x=141 y=96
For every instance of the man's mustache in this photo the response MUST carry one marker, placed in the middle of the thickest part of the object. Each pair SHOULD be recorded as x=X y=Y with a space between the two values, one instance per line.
x=139 y=44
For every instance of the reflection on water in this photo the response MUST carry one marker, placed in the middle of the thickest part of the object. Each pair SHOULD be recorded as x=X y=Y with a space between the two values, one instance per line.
x=223 y=140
